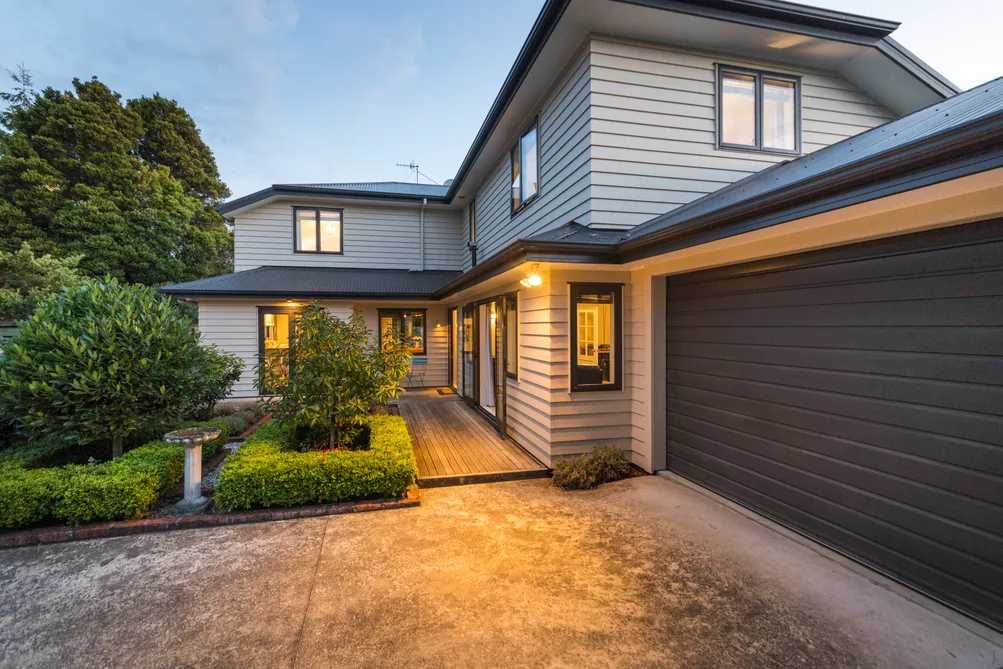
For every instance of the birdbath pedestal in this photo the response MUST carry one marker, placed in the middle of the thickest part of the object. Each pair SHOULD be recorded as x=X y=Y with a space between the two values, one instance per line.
x=192 y=439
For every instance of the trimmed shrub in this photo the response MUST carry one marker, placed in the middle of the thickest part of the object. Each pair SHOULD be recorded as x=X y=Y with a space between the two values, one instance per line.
x=108 y=495
x=236 y=422
x=263 y=473
x=30 y=496
x=603 y=464
x=122 y=488
x=250 y=417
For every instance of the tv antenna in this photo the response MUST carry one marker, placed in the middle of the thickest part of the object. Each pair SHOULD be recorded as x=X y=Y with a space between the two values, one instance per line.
x=413 y=166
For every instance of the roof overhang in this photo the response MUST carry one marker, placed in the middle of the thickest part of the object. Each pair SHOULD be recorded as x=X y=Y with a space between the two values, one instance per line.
x=854 y=46
x=278 y=192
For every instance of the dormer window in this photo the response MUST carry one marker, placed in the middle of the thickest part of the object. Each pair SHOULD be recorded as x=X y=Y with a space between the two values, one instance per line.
x=317 y=230
x=758 y=111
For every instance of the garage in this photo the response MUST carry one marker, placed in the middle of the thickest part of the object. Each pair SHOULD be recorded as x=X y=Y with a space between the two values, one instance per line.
x=855 y=394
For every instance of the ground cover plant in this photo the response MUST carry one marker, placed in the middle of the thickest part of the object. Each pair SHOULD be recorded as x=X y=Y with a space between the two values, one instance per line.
x=604 y=464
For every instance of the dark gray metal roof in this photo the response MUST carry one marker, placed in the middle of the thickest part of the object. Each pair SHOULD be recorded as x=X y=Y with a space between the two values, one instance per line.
x=379 y=188
x=321 y=282
x=578 y=233
x=966 y=108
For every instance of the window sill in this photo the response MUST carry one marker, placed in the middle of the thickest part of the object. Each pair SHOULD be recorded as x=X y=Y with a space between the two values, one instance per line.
x=749 y=149
x=612 y=388
x=319 y=253
x=522 y=207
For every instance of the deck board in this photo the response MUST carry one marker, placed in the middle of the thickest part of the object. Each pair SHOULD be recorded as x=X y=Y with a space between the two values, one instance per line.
x=453 y=444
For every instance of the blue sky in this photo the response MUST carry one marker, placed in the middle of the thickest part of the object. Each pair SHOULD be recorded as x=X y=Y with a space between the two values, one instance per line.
x=299 y=91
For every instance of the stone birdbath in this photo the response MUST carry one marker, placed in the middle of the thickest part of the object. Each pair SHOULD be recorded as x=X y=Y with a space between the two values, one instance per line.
x=192 y=439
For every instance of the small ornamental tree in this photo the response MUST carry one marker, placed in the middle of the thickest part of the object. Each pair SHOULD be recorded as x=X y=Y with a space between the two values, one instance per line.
x=100 y=361
x=333 y=374
x=218 y=371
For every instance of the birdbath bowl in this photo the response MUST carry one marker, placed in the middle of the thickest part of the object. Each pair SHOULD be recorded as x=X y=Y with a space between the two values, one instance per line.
x=192 y=439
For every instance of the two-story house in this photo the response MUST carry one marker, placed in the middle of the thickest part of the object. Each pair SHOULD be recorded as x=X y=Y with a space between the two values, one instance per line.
x=748 y=241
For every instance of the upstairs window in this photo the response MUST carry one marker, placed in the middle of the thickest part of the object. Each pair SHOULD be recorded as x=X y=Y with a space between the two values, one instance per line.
x=525 y=168
x=317 y=230
x=758 y=111
x=409 y=324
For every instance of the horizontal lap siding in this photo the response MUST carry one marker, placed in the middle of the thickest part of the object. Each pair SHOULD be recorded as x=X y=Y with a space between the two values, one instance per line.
x=374 y=237
x=652 y=122
x=857 y=393
x=581 y=421
x=564 y=170
x=233 y=326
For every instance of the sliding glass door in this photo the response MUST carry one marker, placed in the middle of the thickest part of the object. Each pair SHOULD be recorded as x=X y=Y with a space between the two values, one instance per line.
x=483 y=374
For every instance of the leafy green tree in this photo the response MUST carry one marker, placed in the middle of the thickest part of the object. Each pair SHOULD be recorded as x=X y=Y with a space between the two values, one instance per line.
x=337 y=376
x=99 y=362
x=171 y=139
x=25 y=279
x=23 y=92
x=80 y=175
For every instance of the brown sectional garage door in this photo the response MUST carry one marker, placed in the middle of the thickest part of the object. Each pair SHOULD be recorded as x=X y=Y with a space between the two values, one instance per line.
x=857 y=395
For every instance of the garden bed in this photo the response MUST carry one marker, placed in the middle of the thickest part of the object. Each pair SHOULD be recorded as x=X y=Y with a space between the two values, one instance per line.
x=264 y=473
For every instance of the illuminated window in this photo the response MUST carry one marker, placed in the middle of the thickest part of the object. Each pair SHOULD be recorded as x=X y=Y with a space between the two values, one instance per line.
x=317 y=230
x=525 y=168
x=596 y=329
x=758 y=111
x=512 y=335
x=409 y=324
x=275 y=332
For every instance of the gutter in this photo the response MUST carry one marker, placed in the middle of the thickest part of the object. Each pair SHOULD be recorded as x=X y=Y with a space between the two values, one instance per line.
x=280 y=189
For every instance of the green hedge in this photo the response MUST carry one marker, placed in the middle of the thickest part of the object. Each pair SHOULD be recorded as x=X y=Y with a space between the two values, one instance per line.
x=264 y=473
x=122 y=488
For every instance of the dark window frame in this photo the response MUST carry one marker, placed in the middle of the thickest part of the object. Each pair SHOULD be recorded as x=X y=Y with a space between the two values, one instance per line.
x=394 y=310
x=515 y=156
x=616 y=350
x=509 y=298
x=292 y=311
x=341 y=230
x=759 y=75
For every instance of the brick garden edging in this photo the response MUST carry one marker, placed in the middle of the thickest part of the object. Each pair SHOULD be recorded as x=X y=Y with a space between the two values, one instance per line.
x=249 y=431
x=53 y=535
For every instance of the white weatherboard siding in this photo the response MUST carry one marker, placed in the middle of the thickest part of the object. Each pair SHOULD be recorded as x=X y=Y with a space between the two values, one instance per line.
x=375 y=236
x=564 y=170
x=233 y=326
x=653 y=127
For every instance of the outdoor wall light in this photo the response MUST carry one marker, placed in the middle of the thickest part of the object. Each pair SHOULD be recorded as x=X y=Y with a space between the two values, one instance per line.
x=532 y=281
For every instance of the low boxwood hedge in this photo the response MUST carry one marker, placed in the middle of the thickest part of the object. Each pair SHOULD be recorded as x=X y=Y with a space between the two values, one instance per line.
x=263 y=473
x=115 y=490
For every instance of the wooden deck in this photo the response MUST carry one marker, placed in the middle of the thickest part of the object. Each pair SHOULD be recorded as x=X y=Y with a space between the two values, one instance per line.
x=455 y=446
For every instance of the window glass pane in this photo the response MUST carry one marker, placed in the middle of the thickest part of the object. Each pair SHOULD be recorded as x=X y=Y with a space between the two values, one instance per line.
x=778 y=115
x=306 y=229
x=330 y=231
x=414 y=325
x=516 y=198
x=738 y=109
x=512 y=336
x=529 y=164
x=594 y=339
x=275 y=330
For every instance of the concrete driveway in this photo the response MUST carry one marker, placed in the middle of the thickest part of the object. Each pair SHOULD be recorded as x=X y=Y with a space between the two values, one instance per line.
x=646 y=572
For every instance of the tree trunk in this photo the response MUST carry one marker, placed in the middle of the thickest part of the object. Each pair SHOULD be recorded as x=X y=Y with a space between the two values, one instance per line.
x=333 y=439
x=116 y=447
